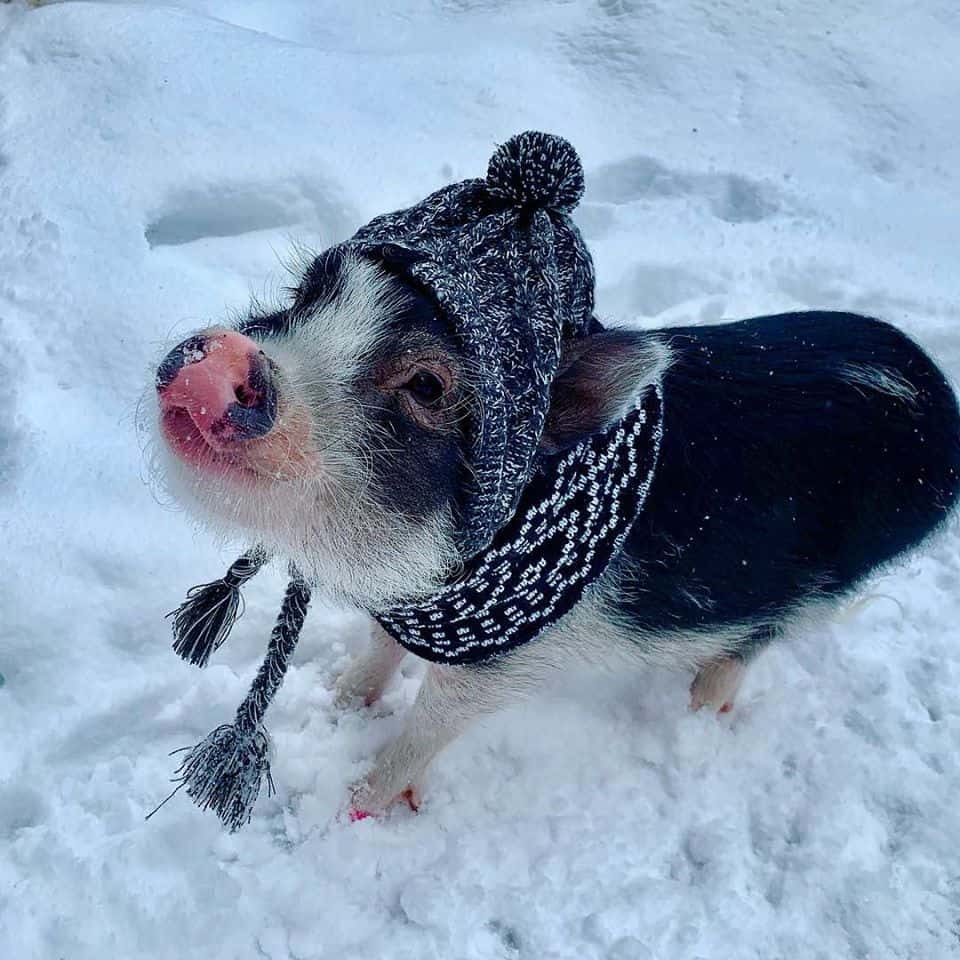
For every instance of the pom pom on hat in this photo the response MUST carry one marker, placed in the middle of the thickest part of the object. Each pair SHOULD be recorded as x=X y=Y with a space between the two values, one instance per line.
x=538 y=170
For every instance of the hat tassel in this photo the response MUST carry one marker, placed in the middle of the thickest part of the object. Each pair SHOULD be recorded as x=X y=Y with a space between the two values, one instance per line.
x=204 y=620
x=224 y=772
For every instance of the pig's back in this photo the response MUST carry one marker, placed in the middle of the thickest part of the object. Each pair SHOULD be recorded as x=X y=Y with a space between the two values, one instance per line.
x=799 y=452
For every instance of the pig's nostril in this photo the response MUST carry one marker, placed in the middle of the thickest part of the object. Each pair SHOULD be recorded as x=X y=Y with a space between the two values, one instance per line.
x=254 y=413
x=190 y=351
x=245 y=396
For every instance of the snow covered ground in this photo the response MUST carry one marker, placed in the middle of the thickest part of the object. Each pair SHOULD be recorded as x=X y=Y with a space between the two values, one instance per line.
x=155 y=160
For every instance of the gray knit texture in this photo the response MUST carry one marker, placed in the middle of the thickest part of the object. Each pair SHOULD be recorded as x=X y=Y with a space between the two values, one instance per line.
x=509 y=269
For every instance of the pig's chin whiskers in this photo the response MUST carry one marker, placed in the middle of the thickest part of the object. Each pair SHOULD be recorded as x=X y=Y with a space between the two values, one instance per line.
x=142 y=422
x=154 y=473
x=157 y=464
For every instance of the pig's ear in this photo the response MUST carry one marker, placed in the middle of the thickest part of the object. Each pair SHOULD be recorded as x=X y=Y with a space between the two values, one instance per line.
x=598 y=378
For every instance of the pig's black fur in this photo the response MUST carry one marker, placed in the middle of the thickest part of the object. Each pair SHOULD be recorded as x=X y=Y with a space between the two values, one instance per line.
x=398 y=479
x=781 y=481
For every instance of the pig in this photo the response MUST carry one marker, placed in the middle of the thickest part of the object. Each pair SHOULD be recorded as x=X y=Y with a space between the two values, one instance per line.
x=799 y=454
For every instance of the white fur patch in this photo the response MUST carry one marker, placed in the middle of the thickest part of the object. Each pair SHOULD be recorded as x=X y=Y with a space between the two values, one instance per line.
x=881 y=379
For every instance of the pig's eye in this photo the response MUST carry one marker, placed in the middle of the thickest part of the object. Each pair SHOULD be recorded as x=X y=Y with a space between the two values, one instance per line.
x=426 y=388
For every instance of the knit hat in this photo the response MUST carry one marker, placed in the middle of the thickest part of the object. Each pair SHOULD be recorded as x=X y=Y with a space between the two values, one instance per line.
x=511 y=272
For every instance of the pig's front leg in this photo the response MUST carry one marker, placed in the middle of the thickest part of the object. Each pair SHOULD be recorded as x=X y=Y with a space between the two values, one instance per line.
x=717 y=682
x=449 y=699
x=366 y=678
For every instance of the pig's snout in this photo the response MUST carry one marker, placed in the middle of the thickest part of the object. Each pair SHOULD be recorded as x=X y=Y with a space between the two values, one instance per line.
x=221 y=386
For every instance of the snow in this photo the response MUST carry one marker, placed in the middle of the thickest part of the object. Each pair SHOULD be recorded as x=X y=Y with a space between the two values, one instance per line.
x=155 y=162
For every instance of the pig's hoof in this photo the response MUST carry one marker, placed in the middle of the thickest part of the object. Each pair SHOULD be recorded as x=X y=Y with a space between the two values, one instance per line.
x=410 y=796
x=347 y=699
x=716 y=684
x=355 y=688
x=364 y=803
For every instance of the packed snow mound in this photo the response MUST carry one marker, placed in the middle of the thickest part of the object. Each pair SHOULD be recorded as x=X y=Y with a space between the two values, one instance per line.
x=156 y=160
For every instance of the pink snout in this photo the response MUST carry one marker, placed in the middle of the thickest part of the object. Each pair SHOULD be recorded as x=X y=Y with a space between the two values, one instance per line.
x=215 y=391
